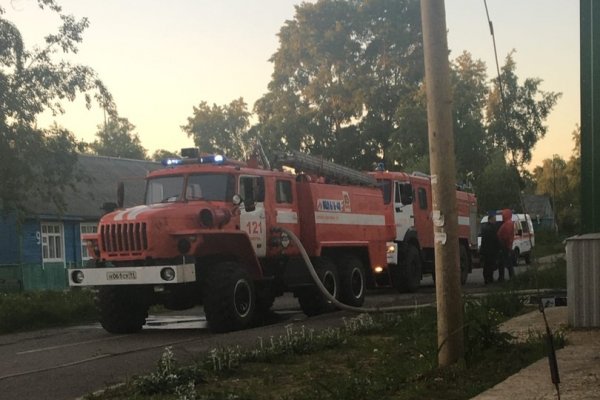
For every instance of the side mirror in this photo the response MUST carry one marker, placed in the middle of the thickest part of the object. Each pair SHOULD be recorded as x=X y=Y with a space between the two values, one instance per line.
x=249 y=204
x=120 y=194
x=109 y=207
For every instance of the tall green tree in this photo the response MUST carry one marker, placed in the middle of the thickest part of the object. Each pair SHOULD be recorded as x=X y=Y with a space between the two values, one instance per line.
x=39 y=162
x=498 y=186
x=470 y=91
x=516 y=113
x=561 y=181
x=221 y=129
x=162 y=154
x=340 y=71
x=117 y=138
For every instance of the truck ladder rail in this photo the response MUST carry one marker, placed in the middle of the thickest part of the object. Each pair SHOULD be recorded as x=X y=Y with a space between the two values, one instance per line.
x=317 y=165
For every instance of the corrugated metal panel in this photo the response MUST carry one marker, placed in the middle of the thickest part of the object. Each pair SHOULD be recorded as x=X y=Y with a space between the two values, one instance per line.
x=583 y=280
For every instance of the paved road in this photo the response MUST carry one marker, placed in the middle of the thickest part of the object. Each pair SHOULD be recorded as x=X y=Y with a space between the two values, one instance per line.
x=67 y=363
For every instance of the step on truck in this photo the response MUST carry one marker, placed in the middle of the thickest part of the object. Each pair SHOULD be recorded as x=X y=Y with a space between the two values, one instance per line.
x=209 y=234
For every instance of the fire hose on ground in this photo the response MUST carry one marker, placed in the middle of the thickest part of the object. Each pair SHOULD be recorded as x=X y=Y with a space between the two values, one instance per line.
x=346 y=307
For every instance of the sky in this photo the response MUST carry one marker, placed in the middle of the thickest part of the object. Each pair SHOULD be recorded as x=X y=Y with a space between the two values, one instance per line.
x=160 y=58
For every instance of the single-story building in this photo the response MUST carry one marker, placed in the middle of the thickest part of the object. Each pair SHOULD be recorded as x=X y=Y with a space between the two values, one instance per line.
x=539 y=207
x=35 y=254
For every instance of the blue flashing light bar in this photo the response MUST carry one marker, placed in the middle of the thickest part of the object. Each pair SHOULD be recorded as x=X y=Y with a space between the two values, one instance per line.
x=210 y=159
x=169 y=162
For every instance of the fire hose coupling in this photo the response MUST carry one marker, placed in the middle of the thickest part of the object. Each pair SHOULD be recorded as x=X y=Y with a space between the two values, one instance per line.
x=280 y=238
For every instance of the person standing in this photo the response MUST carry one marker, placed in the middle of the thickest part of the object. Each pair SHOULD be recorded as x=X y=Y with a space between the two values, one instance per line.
x=506 y=235
x=490 y=247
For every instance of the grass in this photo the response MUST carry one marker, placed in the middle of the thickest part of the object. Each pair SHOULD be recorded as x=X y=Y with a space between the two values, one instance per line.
x=549 y=276
x=548 y=243
x=42 y=309
x=389 y=356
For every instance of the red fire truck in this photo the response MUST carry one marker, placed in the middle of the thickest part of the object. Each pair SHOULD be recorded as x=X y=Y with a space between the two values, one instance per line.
x=207 y=234
x=411 y=253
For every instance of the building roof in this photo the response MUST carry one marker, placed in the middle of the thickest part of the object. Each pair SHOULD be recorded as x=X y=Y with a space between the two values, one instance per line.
x=98 y=185
x=538 y=206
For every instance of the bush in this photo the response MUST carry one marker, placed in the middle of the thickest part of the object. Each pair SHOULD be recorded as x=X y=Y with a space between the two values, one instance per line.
x=35 y=310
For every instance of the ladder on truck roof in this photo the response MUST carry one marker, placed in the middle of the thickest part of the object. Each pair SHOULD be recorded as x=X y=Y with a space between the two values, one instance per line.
x=317 y=165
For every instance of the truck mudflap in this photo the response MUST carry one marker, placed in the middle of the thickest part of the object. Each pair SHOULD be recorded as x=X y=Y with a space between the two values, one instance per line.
x=139 y=275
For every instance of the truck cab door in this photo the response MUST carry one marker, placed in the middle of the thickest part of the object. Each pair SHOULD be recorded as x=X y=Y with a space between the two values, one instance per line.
x=252 y=212
x=403 y=208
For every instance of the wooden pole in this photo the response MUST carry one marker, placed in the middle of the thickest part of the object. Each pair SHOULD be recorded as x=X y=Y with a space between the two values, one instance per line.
x=443 y=180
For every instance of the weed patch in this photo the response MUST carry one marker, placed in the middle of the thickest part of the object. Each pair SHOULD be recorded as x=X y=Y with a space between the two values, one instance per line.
x=35 y=310
x=387 y=356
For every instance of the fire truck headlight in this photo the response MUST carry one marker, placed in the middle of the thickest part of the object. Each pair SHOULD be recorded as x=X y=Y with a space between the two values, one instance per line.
x=77 y=276
x=391 y=248
x=167 y=274
x=378 y=269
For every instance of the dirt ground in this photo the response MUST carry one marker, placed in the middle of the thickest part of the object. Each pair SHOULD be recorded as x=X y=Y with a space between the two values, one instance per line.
x=578 y=362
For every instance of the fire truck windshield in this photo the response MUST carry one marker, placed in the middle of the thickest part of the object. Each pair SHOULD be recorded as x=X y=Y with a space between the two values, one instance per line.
x=164 y=189
x=208 y=187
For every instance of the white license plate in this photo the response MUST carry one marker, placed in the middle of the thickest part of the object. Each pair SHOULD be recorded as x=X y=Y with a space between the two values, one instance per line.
x=121 y=276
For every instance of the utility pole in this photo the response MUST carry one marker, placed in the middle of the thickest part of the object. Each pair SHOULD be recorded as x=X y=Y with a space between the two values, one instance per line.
x=590 y=114
x=443 y=183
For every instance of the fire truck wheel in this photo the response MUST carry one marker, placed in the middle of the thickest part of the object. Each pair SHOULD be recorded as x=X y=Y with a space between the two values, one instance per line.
x=229 y=297
x=464 y=264
x=407 y=275
x=352 y=281
x=121 y=309
x=311 y=300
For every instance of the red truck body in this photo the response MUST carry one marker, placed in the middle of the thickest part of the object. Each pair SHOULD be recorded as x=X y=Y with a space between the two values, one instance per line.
x=209 y=227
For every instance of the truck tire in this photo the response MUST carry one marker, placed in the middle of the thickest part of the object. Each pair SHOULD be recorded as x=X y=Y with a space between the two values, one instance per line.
x=311 y=300
x=229 y=297
x=352 y=281
x=406 y=276
x=465 y=263
x=122 y=309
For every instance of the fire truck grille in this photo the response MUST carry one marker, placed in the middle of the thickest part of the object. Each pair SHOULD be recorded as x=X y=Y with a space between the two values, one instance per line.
x=124 y=237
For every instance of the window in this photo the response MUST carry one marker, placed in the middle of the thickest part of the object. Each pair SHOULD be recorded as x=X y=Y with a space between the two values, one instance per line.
x=86 y=228
x=284 y=192
x=52 y=242
x=211 y=187
x=404 y=193
x=164 y=189
x=386 y=188
x=525 y=225
x=422 y=198
x=252 y=189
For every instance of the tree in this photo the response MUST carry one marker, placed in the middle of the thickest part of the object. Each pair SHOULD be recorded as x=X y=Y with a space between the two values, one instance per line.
x=221 y=129
x=498 y=186
x=516 y=113
x=339 y=74
x=470 y=91
x=117 y=138
x=561 y=180
x=39 y=162
x=162 y=154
